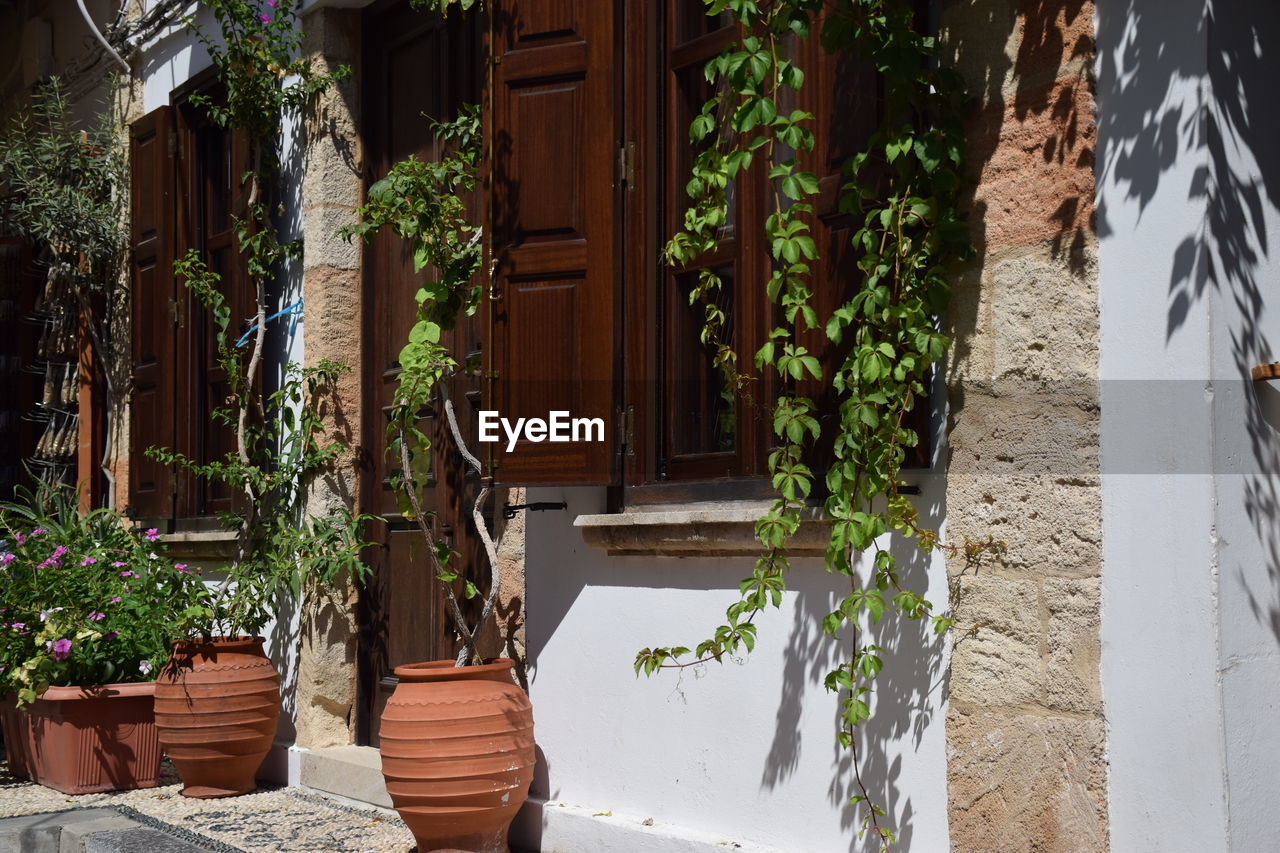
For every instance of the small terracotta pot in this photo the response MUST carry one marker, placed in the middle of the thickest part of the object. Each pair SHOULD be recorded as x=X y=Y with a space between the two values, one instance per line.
x=216 y=709
x=85 y=740
x=457 y=753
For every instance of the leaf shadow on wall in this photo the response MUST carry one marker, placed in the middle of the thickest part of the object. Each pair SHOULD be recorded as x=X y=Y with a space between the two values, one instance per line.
x=1220 y=267
x=906 y=694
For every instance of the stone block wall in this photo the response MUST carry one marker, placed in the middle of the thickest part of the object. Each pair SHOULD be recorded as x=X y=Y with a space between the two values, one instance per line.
x=331 y=286
x=1025 y=728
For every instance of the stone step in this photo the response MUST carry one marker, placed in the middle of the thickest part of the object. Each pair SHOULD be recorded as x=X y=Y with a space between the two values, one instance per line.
x=86 y=831
x=354 y=772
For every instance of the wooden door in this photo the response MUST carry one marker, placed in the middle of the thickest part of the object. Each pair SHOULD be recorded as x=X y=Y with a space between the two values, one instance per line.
x=418 y=67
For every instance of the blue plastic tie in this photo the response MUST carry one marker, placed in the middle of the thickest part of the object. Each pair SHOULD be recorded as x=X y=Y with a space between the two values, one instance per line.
x=295 y=308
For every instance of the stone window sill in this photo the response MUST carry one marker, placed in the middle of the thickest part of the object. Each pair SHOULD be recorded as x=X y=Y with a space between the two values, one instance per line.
x=201 y=546
x=696 y=530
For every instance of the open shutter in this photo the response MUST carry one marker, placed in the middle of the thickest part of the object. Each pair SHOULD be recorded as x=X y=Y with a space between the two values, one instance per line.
x=153 y=297
x=554 y=306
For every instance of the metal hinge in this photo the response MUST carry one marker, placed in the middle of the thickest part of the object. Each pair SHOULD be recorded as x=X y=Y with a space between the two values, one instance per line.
x=627 y=165
x=175 y=143
x=174 y=317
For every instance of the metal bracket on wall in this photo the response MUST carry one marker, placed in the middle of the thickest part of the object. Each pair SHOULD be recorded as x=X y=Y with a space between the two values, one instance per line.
x=509 y=510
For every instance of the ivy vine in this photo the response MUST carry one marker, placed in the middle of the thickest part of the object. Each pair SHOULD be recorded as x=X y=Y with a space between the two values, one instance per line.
x=903 y=189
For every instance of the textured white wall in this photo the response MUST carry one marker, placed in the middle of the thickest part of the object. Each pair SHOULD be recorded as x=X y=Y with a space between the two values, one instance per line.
x=742 y=752
x=1188 y=196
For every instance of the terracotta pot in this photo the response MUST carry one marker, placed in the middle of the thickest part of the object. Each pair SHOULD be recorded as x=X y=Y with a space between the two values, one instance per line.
x=457 y=753
x=216 y=708
x=84 y=740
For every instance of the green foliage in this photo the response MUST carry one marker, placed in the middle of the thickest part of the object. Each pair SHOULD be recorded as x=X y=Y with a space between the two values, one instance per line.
x=277 y=460
x=264 y=78
x=64 y=187
x=258 y=60
x=280 y=449
x=443 y=6
x=87 y=600
x=422 y=203
x=903 y=190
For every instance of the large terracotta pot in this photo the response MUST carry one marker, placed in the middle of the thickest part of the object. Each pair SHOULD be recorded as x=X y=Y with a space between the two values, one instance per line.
x=216 y=708
x=457 y=754
x=84 y=740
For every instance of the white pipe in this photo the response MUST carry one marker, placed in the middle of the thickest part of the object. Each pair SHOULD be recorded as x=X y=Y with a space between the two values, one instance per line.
x=93 y=28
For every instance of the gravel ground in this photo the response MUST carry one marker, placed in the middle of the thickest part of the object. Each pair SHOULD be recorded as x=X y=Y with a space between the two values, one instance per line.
x=270 y=820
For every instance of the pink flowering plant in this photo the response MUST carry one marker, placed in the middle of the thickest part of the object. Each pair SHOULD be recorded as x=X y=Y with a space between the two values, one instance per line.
x=86 y=599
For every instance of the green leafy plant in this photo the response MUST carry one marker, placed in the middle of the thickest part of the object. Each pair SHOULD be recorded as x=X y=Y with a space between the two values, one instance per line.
x=87 y=599
x=903 y=189
x=257 y=60
x=65 y=192
x=279 y=547
x=279 y=451
x=422 y=202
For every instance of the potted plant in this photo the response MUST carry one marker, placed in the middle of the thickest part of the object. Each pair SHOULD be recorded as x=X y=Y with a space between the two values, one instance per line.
x=218 y=699
x=90 y=608
x=218 y=696
x=456 y=735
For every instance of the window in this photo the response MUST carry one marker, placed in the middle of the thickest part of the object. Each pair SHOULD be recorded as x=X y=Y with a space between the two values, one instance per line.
x=591 y=155
x=186 y=194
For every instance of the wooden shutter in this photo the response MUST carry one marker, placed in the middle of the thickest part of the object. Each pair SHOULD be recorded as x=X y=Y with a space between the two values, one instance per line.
x=153 y=303
x=554 y=147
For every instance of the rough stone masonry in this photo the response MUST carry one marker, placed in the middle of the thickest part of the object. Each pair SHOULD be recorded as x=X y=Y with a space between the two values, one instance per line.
x=1025 y=726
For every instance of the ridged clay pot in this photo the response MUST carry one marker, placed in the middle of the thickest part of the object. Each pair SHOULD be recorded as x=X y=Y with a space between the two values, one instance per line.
x=85 y=740
x=216 y=709
x=457 y=753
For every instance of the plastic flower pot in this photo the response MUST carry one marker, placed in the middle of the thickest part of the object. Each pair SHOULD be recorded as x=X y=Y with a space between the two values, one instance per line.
x=84 y=740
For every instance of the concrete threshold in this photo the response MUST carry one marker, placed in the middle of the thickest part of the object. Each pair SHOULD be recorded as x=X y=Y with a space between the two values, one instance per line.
x=351 y=772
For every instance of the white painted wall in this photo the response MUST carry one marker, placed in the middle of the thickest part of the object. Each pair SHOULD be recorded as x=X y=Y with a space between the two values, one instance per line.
x=1244 y=240
x=1189 y=204
x=740 y=752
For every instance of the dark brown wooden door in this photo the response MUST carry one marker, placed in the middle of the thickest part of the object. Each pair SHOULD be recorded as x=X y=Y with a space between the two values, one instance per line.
x=554 y=149
x=418 y=67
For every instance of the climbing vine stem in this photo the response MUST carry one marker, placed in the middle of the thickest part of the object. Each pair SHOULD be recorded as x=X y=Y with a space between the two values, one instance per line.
x=422 y=202
x=902 y=189
x=280 y=447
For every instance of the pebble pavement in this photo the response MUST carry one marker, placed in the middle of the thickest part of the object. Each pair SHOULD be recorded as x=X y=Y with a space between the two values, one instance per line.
x=270 y=820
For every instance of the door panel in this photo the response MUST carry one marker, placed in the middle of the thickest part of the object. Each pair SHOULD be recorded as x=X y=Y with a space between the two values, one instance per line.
x=418 y=68
x=554 y=147
x=154 y=307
